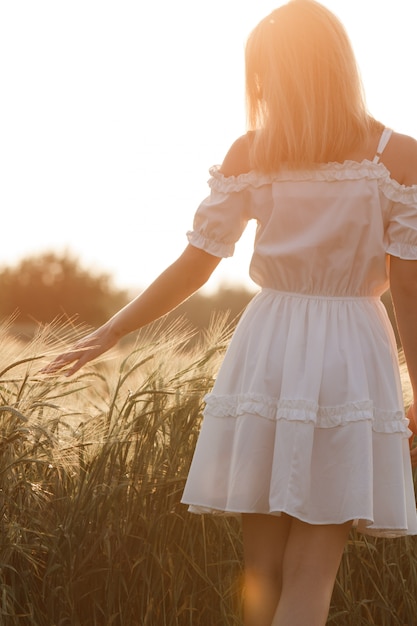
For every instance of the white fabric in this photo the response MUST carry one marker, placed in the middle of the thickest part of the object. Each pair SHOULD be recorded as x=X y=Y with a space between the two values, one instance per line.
x=385 y=137
x=306 y=415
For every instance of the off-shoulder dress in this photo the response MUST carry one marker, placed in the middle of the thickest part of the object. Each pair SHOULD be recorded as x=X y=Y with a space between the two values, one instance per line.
x=306 y=415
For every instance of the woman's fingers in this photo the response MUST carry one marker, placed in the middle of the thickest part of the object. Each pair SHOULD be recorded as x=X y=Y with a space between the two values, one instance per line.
x=64 y=360
x=83 y=351
x=411 y=415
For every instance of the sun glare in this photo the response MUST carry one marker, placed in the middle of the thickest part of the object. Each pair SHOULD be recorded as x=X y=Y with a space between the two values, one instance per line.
x=114 y=113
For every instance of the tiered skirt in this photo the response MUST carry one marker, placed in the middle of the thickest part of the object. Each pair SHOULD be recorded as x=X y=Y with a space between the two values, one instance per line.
x=306 y=417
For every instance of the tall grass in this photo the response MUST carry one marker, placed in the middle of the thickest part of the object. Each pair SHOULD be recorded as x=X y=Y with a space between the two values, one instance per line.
x=91 y=474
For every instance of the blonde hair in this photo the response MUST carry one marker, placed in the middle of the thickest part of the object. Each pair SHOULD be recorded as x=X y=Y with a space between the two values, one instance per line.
x=304 y=93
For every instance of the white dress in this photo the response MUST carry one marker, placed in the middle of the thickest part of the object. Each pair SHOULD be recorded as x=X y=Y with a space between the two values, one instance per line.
x=306 y=415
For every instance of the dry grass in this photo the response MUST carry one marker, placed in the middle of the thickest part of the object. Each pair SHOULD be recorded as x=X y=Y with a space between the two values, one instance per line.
x=91 y=473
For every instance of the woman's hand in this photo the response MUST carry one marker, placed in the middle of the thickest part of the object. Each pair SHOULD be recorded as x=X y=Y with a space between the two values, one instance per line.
x=181 y=279
x=412 y=416
x=85 y=350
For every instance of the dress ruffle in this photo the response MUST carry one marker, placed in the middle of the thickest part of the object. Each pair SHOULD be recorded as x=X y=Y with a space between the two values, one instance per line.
x=407 y=251
x=306 y=411
x=349 y=170
x=216 y=248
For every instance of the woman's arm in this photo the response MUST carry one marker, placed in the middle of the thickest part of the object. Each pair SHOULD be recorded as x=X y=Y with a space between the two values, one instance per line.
x=179 y=281
x=403 y=282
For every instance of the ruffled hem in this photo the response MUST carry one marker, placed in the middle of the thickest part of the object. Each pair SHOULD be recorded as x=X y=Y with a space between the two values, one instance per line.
x=349 y=170
x=211 y=246
x=274 y=409
x=406 y=251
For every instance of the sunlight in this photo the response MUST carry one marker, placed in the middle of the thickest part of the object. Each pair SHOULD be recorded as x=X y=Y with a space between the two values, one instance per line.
x=114 y=113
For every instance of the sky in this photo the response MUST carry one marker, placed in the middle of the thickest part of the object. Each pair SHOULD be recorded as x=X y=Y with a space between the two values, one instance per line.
x=111 y=113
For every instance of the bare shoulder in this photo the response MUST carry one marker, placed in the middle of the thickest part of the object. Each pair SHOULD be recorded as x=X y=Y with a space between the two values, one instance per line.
x=237 y=160
x=400 y=157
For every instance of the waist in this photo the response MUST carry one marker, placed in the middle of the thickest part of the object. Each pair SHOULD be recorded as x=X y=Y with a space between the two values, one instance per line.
x=321 y=296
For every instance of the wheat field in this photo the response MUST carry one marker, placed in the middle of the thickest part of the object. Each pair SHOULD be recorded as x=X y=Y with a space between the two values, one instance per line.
x=91 y=474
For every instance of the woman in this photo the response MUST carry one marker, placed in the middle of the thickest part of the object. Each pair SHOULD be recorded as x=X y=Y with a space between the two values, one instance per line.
x=304 y=433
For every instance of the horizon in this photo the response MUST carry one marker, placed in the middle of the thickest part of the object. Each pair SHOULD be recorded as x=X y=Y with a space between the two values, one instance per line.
x=113 y=116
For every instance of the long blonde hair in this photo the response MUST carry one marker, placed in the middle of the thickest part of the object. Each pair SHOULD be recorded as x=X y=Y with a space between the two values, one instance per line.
x=304 y=93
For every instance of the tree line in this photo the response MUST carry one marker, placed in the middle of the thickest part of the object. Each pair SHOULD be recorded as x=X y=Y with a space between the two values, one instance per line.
x=42 y=288
x=48 y=286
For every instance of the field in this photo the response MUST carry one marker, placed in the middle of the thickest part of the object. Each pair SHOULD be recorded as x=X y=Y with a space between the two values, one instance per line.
x=91 y=474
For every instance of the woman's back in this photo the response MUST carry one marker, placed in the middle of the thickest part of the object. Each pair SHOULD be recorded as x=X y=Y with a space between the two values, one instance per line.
x=399 y=156
x=325 y=230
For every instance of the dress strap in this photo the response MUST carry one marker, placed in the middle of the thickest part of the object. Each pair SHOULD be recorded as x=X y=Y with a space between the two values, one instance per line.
x=385 y=137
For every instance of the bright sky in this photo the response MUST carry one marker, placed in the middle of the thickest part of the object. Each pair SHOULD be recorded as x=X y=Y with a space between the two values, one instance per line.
x=112 y=111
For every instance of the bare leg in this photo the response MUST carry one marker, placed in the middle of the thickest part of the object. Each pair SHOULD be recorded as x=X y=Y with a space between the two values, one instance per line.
x=311 y=560
x=264 y=541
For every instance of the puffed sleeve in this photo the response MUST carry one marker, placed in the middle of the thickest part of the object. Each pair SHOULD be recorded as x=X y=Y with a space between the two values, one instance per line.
x=222 y=217
x=401 y=230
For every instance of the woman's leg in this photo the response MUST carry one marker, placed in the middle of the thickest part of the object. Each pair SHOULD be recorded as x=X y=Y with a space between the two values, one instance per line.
x=291 y=563
x=311 y=560
x=264 y=541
